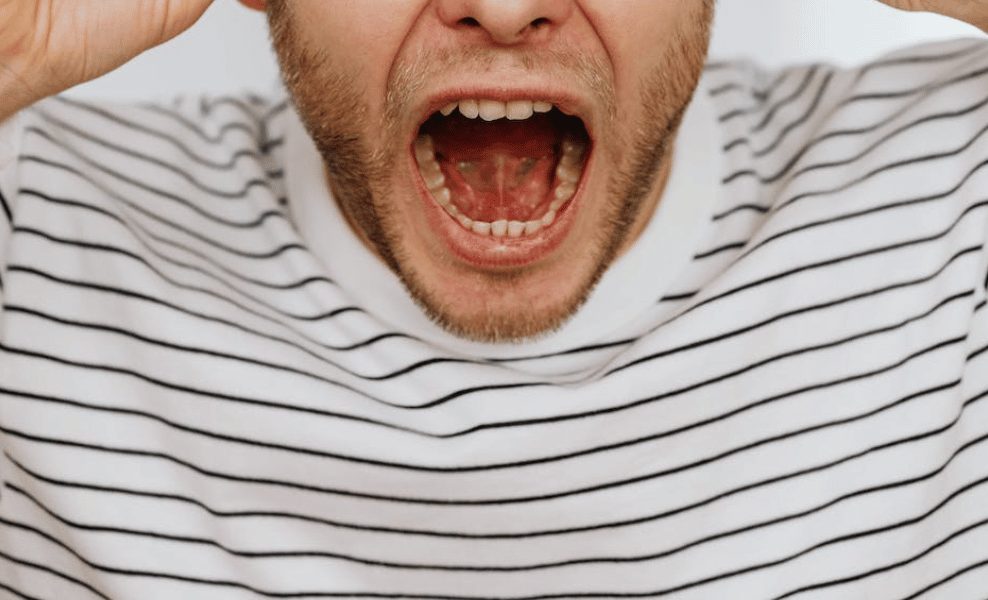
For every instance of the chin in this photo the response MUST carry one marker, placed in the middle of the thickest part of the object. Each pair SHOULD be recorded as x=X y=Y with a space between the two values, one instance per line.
x=499 y=237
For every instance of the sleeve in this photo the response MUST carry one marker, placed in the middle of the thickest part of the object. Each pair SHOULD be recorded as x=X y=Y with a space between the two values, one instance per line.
x=10 y=138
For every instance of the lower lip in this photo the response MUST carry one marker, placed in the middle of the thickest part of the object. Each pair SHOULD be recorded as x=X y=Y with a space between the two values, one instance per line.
x=489 y=252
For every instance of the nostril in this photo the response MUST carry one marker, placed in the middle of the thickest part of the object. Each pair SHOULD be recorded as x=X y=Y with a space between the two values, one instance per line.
x=469 y=22
x=540 y=22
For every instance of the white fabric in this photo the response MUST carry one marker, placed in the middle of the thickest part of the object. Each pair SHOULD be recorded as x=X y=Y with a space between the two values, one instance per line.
x=210 y=391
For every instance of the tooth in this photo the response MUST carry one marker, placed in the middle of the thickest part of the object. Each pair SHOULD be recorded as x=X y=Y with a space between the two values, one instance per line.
x=424 y=150
x=532 y=226
x=571 y=146
x=541 y=107
x=469 y=108
x=443 y=196
x=519 y=110
x=492 y=110
x=572 y=151
x=567 y=173
x=515 y=229
x=481 y=227
x=466 y=221
x=499 y=228
x=548 y=218
x=448 y=109
x=565 y=191
x=434 y=179
x=430 y=168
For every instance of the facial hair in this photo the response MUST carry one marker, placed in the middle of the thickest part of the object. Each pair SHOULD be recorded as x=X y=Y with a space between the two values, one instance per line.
x=331 y=102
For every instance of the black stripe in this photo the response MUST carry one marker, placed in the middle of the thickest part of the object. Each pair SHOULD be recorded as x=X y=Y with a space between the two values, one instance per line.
x=214 y=319
x=918 y=59
x=759 y=94
x=720 y=250
x=789 y=127
x=201 y=351
x=15 y=592
x=908 y=162
x=689 y=585
x=772 y=110
x=890 y=566
x=819 y=468
x=905 y=93
x=729 y=292
x=133 y=227
x=829 y=304
x=795 y=158
x=831 y=261
x=963 y=78
x=153 y=574
x=256 y=154
x=250 y=184
x=351 y=558
x=329 y=314
x=525 y=499
x=868 y=211
x=691 y=346
x=5 y=207
x=210 y=241
x=860 y=179
x=690 y=507
x=947 y=579
x=51 y=571
x=185 y=203
x=251 y=131
x=227 y=165
x=270 y=145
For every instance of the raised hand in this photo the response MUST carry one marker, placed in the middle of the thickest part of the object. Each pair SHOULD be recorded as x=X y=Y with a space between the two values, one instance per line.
x=974 y=12
x=47 y=46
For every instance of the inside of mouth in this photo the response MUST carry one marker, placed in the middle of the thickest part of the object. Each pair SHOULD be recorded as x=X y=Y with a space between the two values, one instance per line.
x=515 y=175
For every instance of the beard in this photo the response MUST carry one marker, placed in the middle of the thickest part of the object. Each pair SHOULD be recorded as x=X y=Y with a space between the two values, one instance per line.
x=332 y=104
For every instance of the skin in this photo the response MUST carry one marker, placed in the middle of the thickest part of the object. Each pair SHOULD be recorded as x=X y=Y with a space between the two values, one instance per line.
x=362 y=98
x=361 y=72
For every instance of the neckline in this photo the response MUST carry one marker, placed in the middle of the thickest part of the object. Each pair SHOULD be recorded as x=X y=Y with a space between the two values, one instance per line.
x=629 y=288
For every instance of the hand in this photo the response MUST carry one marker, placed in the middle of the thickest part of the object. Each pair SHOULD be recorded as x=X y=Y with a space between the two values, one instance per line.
x=47 y=46
x=974 y=12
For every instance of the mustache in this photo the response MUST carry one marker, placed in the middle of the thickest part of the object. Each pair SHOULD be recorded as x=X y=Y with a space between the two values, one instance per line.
x=588 y=72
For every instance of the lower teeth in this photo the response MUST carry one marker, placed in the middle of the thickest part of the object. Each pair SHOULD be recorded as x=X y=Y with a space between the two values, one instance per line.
x=568 y=174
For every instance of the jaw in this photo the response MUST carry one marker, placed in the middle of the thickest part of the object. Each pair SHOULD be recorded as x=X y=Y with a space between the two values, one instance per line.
x=499 y=289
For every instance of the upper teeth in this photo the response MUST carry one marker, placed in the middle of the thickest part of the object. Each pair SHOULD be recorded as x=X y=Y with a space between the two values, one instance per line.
x=492 y=110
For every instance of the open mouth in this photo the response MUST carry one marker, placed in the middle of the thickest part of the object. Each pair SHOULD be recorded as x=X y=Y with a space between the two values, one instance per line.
x=504 y=171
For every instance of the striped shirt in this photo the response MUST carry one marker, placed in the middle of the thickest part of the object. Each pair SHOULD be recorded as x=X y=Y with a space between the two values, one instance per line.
x=210 y=390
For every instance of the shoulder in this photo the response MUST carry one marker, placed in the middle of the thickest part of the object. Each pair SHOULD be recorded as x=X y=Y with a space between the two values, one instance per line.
x=190 y=147
x=186 y=127
x=890 y=153
x=806 y=125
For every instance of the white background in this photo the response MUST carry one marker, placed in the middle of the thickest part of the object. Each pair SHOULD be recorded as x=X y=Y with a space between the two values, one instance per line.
x=229 y=49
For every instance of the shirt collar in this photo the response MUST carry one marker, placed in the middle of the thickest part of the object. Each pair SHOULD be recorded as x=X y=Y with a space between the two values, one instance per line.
x=631 y=286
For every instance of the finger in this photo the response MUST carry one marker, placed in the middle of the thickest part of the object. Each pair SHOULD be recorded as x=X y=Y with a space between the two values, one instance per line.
x=973 y=12
x=175 y=16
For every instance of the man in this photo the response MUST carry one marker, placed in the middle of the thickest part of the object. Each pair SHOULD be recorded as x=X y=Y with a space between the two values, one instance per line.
x=503 y=299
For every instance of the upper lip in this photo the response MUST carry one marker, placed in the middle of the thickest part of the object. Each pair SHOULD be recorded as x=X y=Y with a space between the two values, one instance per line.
x=566 y=102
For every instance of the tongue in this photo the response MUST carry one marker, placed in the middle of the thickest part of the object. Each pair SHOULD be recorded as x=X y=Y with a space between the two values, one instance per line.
x=502 y=170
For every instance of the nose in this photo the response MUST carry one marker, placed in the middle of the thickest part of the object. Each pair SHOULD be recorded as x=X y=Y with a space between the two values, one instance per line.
x=507 y=22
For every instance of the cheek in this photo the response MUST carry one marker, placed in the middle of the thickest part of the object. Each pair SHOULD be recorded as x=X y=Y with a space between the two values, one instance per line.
x=364 y=36
x=637 y=33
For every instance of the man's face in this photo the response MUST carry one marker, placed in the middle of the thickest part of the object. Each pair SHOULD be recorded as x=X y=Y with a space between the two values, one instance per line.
x=498 y=155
